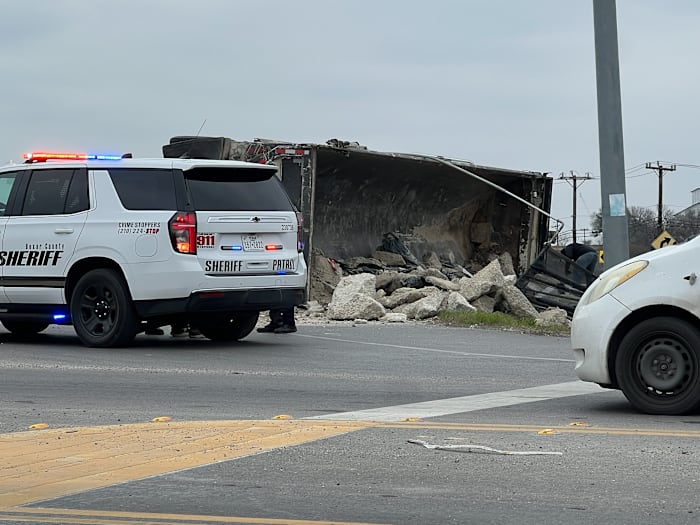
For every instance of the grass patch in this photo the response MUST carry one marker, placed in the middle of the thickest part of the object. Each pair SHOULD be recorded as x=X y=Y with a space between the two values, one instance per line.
x=500 y=320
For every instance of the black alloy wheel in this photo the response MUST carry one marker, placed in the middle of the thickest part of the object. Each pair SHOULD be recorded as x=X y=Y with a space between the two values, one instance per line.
x=102 y=311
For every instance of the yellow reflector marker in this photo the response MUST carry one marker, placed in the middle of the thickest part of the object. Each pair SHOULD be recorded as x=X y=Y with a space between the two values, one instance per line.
x=161 y=419
x=578 y=424
x=412 y=419
x=39 y=426
x=282 y=416
x=547 y=431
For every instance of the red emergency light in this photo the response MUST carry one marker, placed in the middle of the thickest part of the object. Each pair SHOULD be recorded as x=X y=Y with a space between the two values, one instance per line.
x=43 y=156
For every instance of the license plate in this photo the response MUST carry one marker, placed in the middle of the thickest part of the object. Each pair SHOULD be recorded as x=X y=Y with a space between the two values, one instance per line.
x=251 y=243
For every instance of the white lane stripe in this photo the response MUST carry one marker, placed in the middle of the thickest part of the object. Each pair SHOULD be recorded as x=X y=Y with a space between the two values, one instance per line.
x=456 y=405
x=438 y=351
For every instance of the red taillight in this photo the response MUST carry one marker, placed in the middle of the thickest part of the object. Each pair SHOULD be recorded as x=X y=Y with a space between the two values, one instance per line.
x=183 y=232
x=300 y=241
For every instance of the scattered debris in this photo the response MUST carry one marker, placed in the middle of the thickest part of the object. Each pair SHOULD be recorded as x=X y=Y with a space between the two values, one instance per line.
x=480 y=449
x=401 y=288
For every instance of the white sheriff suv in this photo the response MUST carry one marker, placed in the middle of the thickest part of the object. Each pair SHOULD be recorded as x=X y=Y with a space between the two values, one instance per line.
x=111 y=244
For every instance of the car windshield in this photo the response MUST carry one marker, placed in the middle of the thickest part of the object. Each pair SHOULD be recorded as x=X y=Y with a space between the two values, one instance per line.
x=245 y=189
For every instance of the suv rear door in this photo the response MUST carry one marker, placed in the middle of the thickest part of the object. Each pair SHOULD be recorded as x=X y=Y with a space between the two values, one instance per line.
x=246 y=224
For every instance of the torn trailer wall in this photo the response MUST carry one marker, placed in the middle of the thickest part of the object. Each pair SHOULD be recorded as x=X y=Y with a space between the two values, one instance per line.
x=351 y=197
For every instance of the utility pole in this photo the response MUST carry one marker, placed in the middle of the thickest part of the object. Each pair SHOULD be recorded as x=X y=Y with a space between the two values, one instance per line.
x=613 y=195
x=661 y=169
x=574 y=184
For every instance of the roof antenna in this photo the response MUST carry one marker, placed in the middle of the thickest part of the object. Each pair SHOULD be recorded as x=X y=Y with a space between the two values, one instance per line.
x=200 y=128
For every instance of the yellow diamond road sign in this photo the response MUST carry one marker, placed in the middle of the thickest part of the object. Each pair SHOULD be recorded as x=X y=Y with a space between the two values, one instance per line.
x=664 y=239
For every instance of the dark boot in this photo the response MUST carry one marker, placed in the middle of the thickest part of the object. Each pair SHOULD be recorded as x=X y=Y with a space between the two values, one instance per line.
x=285 y=329
x=268 y=328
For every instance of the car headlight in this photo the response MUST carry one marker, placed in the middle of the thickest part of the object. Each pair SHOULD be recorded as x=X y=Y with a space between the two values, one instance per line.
x=607 y=283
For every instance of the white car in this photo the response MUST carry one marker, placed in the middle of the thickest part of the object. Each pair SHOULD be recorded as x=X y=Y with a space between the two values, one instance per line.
x=111 y=245
x=637 y=329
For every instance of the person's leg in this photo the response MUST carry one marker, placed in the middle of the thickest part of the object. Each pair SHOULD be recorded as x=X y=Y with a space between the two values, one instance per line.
x=275 y=322
x=178 y=329
x=588 y=261
x=152 y=329
x=287 y=324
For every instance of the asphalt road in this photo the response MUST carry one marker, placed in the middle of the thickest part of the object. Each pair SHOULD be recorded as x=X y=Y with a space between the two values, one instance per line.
x=333 y=424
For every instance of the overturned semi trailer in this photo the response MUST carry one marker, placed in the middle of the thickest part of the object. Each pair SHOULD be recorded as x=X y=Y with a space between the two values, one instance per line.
x=351 y=197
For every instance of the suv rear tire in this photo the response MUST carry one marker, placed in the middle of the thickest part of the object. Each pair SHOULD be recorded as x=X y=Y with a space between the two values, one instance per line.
x=102 y=311
x=230 y=328
x=24 y=328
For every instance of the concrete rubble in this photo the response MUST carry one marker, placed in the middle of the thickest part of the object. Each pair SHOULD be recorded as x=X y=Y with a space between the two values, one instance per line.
x=394 y=287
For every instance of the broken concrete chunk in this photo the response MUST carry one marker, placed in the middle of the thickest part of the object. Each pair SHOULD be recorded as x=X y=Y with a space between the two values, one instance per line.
x=431 y=260
x=357 y=265
x=355 y=306
x=457 y=303
x=402 y=296
x=485 y=281
x=429 y=306
x=408 y=309
x=432 y=272
x=506 y=261
x=517 y=303
x=413 y=281
x=389 y=281
x=324 y=277
x=552 y=316
x=389 y=258
x=443 y=284
x=363 y=283
x=395 y=317
x=484 y=304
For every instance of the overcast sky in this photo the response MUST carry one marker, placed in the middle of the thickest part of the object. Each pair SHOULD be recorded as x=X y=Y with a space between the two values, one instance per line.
x=505 y=83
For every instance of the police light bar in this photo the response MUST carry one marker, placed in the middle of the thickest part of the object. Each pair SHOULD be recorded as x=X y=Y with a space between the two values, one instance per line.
x=43 y=156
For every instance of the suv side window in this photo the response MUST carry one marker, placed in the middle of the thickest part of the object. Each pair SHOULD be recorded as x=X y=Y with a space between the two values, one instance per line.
x=7 y=181
x=144 y=189
x=48 y=191
x=78 y=196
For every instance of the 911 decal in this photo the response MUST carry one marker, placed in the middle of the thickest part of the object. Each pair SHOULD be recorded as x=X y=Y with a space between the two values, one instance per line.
x=206 y=240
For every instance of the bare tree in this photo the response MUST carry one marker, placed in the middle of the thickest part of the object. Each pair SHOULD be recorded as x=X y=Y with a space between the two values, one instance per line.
x=643 y=226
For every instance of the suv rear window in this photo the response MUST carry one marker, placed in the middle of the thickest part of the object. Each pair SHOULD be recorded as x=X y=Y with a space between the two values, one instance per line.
x=244 y=189
x=144 y=189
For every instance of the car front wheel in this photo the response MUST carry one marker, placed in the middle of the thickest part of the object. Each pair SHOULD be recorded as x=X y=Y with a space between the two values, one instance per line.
x=102 y=311
x=658 y=366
